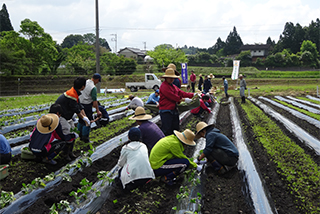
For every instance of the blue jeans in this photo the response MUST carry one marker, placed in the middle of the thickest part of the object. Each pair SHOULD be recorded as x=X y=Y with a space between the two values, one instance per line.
x=169 y=121
x=172 y=168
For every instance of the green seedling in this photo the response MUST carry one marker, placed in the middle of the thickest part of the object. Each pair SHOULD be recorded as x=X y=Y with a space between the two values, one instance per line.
x=103 y=175
x=6 y=198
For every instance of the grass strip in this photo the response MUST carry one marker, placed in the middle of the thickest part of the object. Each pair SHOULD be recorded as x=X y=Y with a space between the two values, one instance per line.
x=310 y=100
x=310 y=114
x=296 y=167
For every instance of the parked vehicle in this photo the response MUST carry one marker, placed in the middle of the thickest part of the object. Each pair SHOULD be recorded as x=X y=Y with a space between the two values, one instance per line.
x=151 y=81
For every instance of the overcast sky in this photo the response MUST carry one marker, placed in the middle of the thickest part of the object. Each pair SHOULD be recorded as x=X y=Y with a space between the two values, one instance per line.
x=148 y=23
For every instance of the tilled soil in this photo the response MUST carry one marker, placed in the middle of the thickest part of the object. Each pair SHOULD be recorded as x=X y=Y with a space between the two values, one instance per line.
x=222 y=193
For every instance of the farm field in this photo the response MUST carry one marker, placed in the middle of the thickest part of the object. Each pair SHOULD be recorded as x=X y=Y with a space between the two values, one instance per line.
x=287 y=165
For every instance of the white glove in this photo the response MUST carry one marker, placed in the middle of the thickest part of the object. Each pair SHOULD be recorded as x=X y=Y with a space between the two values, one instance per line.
x=85 y=119
x=195 y=95
x=76 y=135
x=187 y=100
x=199 y=168
x=196 y=161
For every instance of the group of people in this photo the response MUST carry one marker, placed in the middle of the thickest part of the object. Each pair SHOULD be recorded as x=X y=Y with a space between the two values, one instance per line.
x=153 y=152
x=55 y=132
x=149 y=153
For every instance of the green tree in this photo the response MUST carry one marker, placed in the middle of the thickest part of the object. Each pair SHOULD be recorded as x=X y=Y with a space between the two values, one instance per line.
x=80 y=59
x=41 y=50
x=218 y=46
x=245 y=58
x=5 y=23
x=309 y=54
x=12 y=53
x=165 y=54
x=71 y=40
x=233 y=43
x=313 y=33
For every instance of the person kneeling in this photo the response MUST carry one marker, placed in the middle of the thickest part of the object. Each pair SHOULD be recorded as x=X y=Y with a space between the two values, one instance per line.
x=42 y=139
x=167 y=158
x=220 y=152
x=135 y=167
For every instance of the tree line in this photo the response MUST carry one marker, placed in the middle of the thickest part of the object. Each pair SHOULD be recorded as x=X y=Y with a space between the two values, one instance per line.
x=32 y=51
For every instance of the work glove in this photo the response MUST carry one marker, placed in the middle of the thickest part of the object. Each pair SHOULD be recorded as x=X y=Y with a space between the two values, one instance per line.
x=199 y=168
x=85 y=119
x=196 y=161
x=76 y=135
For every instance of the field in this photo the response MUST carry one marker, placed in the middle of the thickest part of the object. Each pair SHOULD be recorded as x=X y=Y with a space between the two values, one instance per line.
x=278 y=170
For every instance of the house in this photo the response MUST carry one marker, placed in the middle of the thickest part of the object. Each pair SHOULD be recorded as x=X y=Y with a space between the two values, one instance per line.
x=133 y=53
x=257 y=51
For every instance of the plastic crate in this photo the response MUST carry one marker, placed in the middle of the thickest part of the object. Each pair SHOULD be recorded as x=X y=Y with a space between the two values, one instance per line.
x=26 y=154
x=4 y=171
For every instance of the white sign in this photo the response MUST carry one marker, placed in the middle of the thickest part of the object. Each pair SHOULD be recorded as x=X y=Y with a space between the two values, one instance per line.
x=235 y=72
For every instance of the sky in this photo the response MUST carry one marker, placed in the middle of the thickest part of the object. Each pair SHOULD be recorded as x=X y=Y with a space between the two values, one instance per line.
x=145 y=24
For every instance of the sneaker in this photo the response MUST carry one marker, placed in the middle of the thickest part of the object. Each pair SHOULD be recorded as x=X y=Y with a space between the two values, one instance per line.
x=51 y=162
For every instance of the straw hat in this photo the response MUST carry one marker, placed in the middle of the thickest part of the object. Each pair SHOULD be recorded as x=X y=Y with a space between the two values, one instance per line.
x=173 y=66
x=186 y=137
x=240 y=75
x=170 y=73
x=48 y=123
x=211 y=76
x=212 y=91
x=202 y=125
x=200 y=75
x=130 y=97
x=140 y=114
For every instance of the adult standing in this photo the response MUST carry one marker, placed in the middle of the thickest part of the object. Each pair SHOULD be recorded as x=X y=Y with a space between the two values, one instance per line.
x=225 y=86
x=135 y=102
x=167 y=158
x=176 y=81
x=193 y=78
x=150 y=132
x=170 y=96
x=243 y=87
x=200 y=83
x=5 y=150
x=220 y=152
x=207 y=84
x=88 y=99
x=134 y=162
x=69 y=102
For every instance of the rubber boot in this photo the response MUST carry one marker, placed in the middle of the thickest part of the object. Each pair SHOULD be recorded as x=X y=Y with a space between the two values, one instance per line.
x=243 y=98
x=71 y=154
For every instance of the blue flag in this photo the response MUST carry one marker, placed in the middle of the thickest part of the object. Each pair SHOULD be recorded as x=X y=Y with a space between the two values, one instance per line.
x=184 y=73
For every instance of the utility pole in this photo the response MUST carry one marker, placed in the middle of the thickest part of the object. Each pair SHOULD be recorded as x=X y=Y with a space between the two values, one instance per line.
x=145 y=45
x=97 y=40
x=115 y=41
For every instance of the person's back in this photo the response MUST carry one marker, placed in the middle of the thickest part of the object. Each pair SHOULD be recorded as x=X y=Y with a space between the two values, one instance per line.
x=150 y=133
x=134 y=162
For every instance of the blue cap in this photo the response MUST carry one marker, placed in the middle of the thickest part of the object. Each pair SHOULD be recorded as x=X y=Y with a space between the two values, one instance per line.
x=157 y=91
x=134 y=134
x=97 y=76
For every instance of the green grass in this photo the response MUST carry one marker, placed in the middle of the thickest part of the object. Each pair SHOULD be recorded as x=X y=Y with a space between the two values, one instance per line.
x=297 y=169
x=310 y=114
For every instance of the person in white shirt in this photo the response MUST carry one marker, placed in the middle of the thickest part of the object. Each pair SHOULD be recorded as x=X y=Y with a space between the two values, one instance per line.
x=135 y=102
x=134 y=162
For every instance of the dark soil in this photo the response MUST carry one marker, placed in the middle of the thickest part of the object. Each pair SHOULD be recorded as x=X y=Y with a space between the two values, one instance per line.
x=222 y=193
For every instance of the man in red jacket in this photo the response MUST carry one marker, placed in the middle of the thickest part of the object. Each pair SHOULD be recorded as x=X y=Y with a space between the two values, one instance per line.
x=203 y=107
x=193 y=80
x=170 y=96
